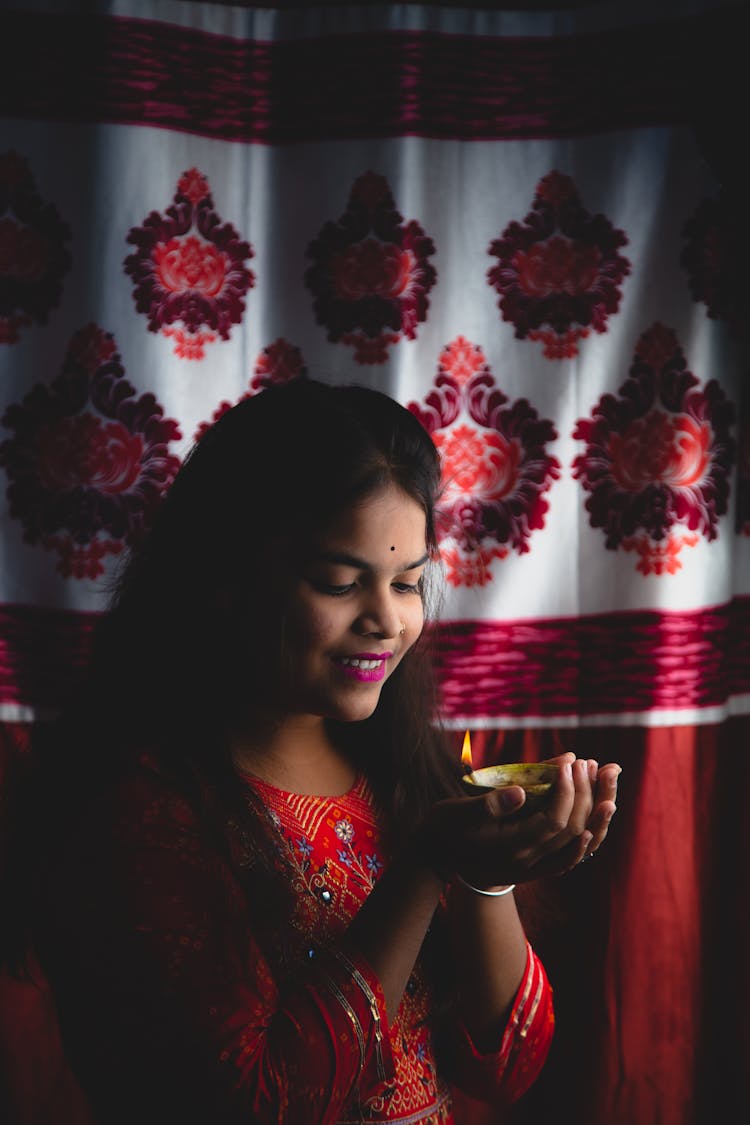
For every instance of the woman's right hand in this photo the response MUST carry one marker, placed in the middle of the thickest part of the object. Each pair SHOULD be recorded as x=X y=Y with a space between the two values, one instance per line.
x=484 y=840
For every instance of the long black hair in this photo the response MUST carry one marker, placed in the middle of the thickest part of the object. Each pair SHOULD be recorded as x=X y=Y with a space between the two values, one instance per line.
x=169 y=661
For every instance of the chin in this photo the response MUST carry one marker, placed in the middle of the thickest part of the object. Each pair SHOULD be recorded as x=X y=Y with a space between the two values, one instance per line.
x=351 y=714
x=360 y=716
x=352 y=710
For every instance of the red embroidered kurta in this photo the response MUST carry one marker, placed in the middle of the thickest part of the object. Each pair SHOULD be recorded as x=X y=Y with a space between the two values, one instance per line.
x=173 y=1008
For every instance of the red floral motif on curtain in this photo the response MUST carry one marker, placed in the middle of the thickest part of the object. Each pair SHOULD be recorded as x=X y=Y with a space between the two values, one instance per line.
x=280 y=362
x=370 y=275
x=188 y=271
x=89 y=460
x=33 y=255
x=495 y=467
x=657 y=458
x=559 y=272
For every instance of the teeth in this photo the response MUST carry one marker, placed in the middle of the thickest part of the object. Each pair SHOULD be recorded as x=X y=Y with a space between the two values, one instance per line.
x=367 y=665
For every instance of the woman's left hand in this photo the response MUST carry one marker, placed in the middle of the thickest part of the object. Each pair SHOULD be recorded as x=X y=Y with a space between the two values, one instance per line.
x=584 y=830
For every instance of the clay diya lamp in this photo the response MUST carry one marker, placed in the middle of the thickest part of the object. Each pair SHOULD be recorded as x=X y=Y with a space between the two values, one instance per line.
x=535 y=778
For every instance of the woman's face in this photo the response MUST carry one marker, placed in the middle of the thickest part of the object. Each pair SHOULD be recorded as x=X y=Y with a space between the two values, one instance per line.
x=354 y=609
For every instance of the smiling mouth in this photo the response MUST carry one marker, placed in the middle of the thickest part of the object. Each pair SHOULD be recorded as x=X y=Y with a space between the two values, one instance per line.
x=366 y=662
x=366 y=669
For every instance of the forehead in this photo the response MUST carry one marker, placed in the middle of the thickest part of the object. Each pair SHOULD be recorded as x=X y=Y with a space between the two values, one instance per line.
x=388 y=514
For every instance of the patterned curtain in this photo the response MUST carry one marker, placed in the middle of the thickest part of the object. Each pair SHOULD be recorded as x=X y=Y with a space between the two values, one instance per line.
x=524 y=223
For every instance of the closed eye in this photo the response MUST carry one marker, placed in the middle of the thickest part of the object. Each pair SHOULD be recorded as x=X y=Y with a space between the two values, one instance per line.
x=334 y=591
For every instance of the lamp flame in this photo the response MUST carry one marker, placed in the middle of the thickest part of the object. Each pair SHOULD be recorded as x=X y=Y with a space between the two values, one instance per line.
x=466 y=753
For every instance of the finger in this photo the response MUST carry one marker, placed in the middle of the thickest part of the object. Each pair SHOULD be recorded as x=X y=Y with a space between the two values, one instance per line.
x=558 y=810
x=563 y=859
x=599 y=822
x=605 y=804
x=501 y=802
x=584 y=797
x=607 y=778
x=583 y=847
x=561 y=759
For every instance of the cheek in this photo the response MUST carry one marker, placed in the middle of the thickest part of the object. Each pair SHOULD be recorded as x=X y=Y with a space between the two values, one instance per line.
x=308 y=627
x=413 y=619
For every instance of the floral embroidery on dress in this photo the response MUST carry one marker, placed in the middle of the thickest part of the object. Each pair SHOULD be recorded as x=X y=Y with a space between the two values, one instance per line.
x=344 y=830
x=367 y=866
x=297 y=849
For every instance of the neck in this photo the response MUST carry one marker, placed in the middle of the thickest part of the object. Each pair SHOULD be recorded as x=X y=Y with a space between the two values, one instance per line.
x=297 y=755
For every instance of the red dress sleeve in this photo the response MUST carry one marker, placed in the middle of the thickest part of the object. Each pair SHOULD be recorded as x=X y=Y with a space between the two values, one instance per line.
x=503 y=1076
x=168 y=1006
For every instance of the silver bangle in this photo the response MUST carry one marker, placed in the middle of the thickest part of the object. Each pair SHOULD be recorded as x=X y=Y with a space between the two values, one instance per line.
x=479 y=891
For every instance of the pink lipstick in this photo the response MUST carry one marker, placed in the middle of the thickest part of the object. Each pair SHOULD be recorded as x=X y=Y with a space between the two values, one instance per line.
x=366 y=667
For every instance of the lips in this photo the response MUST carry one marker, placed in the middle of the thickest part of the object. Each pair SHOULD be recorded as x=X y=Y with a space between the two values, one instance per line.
x=366 y=667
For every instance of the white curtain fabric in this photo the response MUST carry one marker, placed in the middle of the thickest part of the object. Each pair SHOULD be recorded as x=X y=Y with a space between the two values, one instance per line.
x=534 y=297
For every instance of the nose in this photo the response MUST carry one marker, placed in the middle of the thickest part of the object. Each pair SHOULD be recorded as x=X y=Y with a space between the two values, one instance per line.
x=380 y=615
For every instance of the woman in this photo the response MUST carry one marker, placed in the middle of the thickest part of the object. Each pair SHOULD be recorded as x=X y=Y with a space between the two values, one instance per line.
x=258 y=889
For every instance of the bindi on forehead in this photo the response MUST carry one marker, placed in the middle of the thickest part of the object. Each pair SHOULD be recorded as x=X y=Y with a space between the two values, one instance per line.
x=392 y=547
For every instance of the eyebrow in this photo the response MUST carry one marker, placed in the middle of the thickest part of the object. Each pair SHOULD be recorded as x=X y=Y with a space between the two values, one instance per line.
x=344 y=559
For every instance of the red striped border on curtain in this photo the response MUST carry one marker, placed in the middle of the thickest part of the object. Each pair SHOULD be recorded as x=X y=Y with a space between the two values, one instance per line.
x=599 y=665
x=498 y=671
x=85 y=68
x=42 y=651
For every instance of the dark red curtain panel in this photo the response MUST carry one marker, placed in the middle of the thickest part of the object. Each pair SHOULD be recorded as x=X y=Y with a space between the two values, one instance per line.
x=646 y=949
x=528 y=225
